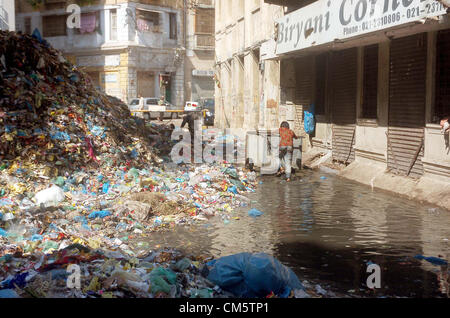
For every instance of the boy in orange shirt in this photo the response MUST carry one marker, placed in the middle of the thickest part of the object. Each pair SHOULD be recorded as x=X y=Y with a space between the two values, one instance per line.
x=286 y=147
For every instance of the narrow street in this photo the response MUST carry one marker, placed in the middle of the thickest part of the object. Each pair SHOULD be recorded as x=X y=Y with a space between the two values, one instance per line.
x=325 y=174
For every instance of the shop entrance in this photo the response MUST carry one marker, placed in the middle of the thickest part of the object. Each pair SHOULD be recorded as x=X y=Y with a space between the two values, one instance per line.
x=343 y=77
x=407 y=93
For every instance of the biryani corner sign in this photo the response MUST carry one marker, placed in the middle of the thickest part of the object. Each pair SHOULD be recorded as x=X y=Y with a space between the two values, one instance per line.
x=325 y=21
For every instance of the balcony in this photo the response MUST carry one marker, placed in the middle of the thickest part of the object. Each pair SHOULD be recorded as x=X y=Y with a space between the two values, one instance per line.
x=292 y=5
x=204 y=42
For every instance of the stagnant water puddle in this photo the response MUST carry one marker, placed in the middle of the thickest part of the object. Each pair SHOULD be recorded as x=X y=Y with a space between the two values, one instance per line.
x=328 y=229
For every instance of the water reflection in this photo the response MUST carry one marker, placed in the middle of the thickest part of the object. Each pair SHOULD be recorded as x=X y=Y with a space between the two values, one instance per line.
x=327 y=229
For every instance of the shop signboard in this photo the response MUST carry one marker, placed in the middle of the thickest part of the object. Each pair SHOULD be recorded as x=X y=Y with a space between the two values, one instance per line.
x=325 y=21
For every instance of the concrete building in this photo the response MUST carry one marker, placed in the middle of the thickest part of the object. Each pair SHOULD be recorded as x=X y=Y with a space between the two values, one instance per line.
x=378 y=77
x=377 y=73
x=200 y=58
x=241 y=97
x=129 y=48
x=7 y=15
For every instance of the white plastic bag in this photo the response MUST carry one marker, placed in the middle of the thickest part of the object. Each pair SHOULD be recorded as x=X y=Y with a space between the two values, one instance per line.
x=50 y=196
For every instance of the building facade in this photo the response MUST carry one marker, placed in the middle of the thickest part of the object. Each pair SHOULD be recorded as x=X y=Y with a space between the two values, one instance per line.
x=378 y=77
x=200 y=43
x=7 y=15
x=374 y=73
x=129 y=48
x=246 y=93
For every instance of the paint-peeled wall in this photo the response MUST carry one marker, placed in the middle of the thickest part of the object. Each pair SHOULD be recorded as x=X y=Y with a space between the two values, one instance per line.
x=249 y=89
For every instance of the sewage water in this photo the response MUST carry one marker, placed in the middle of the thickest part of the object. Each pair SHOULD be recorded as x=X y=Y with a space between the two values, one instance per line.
x=328 y=230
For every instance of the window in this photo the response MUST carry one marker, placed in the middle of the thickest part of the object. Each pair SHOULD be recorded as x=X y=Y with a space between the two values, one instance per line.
x=370 y=82
x=204 y=21
x=28 y=25
x=54 y=4
x=147 y=21
x=152 y=101
x=54 y=25
x=442 y=99
x=94 y=76
x=321 y=75
x=173 y=26
x=113 y=25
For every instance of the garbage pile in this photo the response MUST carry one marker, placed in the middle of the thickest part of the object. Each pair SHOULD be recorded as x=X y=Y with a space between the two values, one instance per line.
x=53 y=118
x=81 y=272
x=41 y=236
x=82 y=182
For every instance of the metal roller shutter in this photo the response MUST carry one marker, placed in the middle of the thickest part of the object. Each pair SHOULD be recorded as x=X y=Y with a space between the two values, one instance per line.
x=304 y=80
x=343 y=79
x=370 y=81
x=442 y=105
x=145 y=84
x=303 y=90
x=407 y=92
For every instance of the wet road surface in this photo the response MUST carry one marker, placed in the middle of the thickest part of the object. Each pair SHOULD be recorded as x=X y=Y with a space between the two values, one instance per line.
x=328 y=229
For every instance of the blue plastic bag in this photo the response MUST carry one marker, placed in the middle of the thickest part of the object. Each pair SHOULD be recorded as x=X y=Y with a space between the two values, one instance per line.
x=99 y=214
x=433 y=260
x=255 y=213
x=19 y=280
x=105 y=187
x=233 y=189
x=309 y=122
x=37 y=237
x=8 y=293
x=253 y=275
x=37 y=35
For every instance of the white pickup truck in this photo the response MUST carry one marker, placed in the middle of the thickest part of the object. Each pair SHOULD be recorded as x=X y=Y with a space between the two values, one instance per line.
x=150 y=104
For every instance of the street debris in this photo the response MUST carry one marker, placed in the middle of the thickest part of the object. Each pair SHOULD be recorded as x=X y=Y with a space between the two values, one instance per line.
x=83 y=182
x=253 y=275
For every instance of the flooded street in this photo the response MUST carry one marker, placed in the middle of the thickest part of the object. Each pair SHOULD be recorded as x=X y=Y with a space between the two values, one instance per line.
x=328 y=229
